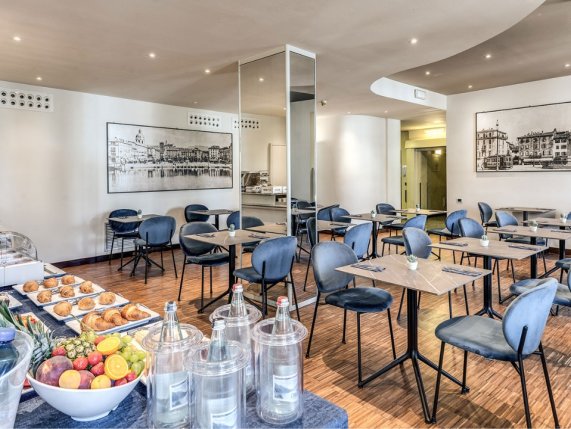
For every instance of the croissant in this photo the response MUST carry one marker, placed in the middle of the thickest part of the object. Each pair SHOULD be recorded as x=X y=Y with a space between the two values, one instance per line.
x=86 y=287
x=86 y=303
x=49 y=283
x=62 y=309
x=45 y=296
x=107 y=298
x=114 y=316
x=68 y=279
x=67 y=292
x=132 y=312
x=94 y=321
x=31 y=286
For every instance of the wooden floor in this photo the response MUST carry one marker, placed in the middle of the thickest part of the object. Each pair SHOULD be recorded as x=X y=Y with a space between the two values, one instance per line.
x=494 y=400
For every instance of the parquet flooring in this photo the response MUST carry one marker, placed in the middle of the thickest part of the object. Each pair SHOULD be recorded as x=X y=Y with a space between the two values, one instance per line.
x=392 y=400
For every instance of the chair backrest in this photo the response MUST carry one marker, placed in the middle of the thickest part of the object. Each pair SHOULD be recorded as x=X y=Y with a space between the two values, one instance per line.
x=417 y=242
x=324 y=213
x=304 y=205
x=485 y=212
x=338 y=215
x=233 y=219
x=251 y=221
x=123 y=227
x=385 y=208
x=192 y=247
x=505 y=218
x=273 y=258
x=193 y=217
x=326 y=257
x=471 y=228
x=530 y=309
x=311 y=226
x=157 y=231
x=416 y=222
x=452 y=219
x=358 y=237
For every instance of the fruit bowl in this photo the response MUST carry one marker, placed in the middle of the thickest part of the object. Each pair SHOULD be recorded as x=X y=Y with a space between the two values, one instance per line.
x=83 y=404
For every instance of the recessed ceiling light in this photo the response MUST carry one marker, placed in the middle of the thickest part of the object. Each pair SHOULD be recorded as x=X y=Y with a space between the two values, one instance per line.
x=488 y=56
x=17 y=39
x=38 y=78
x=567 y=65
x=427 y=72
x=469 y=86
x=260 y=79
x=413 y=41
x=348 y=113
x=386 y=111
x=195 y=102
x=207 y=71
x=152 y=55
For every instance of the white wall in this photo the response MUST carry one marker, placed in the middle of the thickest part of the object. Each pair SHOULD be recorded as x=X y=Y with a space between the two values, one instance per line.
x=301 y=149
x=536 y=189
x=358 y=161
x=255 y=142
x=53 y=174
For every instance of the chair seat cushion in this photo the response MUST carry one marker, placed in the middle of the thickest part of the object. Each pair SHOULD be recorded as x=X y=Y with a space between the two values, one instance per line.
x=477 y=334
x=491 y=223
x=142 y=242
x=127 y=234
x=248 y=274
x=209 y=259
x=361 y=299
x=564 y=264
x=562 y=296
x=440 y=231
x=249 y=247
x=397 y=239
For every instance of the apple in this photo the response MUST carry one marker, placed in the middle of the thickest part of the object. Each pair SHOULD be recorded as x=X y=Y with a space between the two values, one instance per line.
x=131 y=376
x=80 y=363
x=59 y=351
x=99 y=339
x=51 y=369
x=94 y=358
x=86 y=379
x=121 y=381
x=98 y=369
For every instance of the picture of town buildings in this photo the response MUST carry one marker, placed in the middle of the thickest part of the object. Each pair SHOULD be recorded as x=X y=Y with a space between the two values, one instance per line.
x=534 y=138
x=142 y=158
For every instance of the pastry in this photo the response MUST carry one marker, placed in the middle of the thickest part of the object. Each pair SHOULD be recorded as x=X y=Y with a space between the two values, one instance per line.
x=107 y=298
x=86 y=287
x=93 y=320
x=45 y=296
x=67 y=292
x=62 y=309
x=31 y=286
x=132 y=312
x=86 y=303
x=68 y=279
x=49 y=283
x=114 y=316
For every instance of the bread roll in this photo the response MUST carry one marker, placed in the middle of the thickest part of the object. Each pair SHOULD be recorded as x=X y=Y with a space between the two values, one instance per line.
x=31 y=286
x=62 y=308
x=107 y=298
x=49 y=283
x=86 y=287
x=132 y=312
x=45 y=296
x=68 y=279
x=86 y=303
x=67 y=292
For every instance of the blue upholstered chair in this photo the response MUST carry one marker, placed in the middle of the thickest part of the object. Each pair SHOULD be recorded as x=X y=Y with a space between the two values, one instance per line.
x=122 y=230
x=250 y=222
x=327 y=256
x=233 y=219
x=272 y=262
x=301 y=220
x=512 y=340
x=471 y=228
x=486 y=213
x=338 y=215
x=193 y=217
x=358 y=237
x=451 y=228
x=390 y=225
x=156 y=234
x=311 y=226
x=199 y=253
x=562 y=296
x=565 y=263
x=398 y=240
x=324 y=213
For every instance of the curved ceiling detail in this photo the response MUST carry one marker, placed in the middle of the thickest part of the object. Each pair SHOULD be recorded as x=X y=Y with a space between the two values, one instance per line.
x=104 y=48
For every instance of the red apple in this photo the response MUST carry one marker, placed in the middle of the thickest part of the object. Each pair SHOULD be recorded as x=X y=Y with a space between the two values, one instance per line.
x=98 y=369
x=86 y=379
x=94 y=358
x=51 y=369
x=99 y=339
x=131 y=376
x=120 y=382
x=59 y=351
x=80 y=363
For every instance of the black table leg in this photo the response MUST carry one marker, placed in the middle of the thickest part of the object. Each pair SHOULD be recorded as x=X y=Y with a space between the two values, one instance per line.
x=231 y=268
x=525 y=215
x=374 y=253
x=533 y=260
x=487 y=308
x=561 y=256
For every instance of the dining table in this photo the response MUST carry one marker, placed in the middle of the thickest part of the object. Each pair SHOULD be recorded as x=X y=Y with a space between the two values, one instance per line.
x=214 y=212
x=227 y=241
x=415 y=212
x=377 y=220
x=525 y=211
x=431 y=276
x=495 y=249
x=279 y=228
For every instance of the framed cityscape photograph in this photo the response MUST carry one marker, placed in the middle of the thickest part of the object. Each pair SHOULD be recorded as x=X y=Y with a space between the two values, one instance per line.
x=531 y=138
x=142 y=158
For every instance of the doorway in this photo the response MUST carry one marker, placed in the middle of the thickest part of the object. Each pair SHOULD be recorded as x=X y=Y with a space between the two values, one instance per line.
x=431 y=177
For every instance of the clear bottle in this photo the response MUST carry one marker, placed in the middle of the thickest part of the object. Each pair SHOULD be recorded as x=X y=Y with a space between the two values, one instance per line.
x=238 y=305
x=219 y=398
x=281 y=378
x=171 y=384
x=8 y=352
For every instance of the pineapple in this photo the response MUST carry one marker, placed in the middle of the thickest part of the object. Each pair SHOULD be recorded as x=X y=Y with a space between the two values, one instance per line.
x=43 y=339
x=78 y=346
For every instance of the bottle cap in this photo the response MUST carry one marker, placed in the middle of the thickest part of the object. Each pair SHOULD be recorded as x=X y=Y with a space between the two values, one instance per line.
x=283 y=301
x=7 y=334
x=218 y=323
x=237 y=287
x=170 y=306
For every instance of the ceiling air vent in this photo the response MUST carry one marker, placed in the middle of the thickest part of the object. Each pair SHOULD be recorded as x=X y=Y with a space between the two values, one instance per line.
x=27 y=100
x=203 y=120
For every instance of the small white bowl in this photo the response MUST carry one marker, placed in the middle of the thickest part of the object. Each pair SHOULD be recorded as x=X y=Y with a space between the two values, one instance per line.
x=533 y=228
x=232 y=233
x=484 y=243
x=373 y=214
x=83 y=405
x=412 y=265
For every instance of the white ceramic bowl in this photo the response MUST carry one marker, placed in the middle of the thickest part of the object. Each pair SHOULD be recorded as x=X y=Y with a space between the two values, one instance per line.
x=83 y=404
x=484 y=243
x=412 y=265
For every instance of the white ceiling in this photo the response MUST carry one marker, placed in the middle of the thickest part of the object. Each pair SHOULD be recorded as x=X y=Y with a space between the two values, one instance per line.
x=102 y=46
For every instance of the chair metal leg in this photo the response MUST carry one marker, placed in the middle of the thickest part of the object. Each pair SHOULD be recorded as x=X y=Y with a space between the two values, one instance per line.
x=419 y=296
x=111 y=252
x=344 y=326
x=464 y=373
x=499 y=283
x=307 y=272
x=450 y=304
x=524 y=392
x=548 y=384
x=264 y=299
x=392 y=334
x=294 y=293
x=466 y=300
x=210 y=281
x=181 y=278
x=202 y=287
x=162 y=260
x=312 y=325
x=400 y=305
x=561 y=276
x=513 y=270
x=122 y=248
x=360 y=370
x=383 y=250
x=146 y=250
x=438 y=379
x=173 y=261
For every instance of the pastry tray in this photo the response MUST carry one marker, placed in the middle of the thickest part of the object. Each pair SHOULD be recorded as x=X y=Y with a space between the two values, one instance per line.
x=76 y=312
x=57 y=298
x=75 y=324
x=20 y=287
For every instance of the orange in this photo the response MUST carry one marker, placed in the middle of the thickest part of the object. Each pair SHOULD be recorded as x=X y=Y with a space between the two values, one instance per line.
x=116 y=367
x=109 y=345
x=101 y=382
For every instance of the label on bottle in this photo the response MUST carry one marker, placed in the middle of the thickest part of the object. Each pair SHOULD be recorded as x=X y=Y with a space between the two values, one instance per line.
x=224 y=420
x=178 y=395
x=285 y=387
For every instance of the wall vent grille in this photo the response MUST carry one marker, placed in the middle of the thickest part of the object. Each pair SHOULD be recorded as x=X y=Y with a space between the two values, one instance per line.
x=251 y=124
x=129 y=244
x=26 y=100
x=202 y=120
